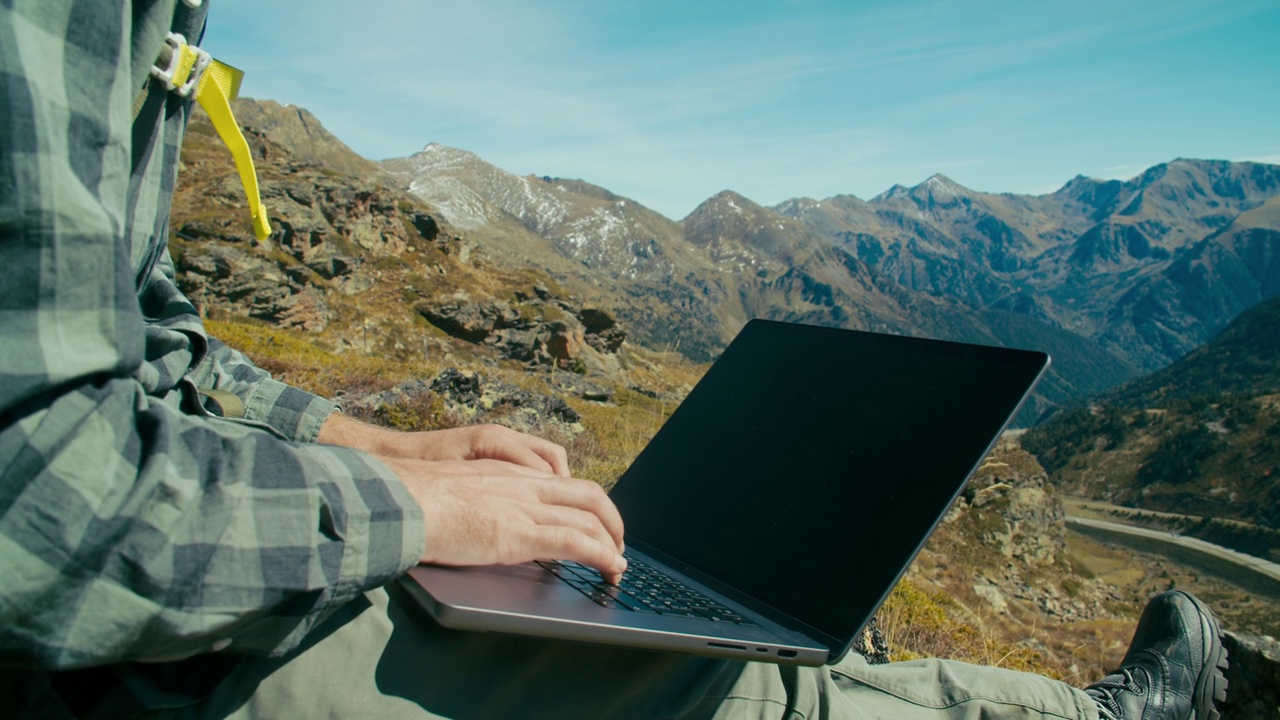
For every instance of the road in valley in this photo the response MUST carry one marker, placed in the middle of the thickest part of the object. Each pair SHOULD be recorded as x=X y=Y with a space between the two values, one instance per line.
x=1251 y=573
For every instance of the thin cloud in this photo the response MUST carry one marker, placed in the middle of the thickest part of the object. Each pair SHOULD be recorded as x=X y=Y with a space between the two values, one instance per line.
x=662 y=100
x=1124 y=172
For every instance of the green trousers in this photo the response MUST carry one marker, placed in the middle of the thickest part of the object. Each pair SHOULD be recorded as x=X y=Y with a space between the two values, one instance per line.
x=388 y=660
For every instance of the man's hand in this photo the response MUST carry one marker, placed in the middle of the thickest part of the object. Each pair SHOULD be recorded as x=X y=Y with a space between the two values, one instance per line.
x=484 y=512
x=492 y=495
x=476 y=442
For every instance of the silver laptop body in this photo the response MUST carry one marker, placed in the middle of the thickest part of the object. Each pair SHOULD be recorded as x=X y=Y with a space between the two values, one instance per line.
x=793 y=486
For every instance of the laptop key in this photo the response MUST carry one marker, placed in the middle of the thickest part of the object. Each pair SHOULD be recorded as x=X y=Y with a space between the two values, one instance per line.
x=605 y=600
x=634 y=604
x=681 y=613
x=643 y=589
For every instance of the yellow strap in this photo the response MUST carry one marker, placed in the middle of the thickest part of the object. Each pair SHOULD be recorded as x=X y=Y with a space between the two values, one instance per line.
x=187 y=57
x=178 y=67
x=219 y=84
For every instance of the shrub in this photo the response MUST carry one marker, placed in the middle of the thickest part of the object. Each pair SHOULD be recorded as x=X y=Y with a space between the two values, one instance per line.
x=1181 y=457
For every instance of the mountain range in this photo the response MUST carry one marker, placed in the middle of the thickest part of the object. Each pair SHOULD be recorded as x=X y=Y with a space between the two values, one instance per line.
x=1111 y=278
x=1149 y=268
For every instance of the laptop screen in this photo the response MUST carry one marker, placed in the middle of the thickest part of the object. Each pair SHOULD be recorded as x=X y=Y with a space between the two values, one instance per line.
x=808 y=465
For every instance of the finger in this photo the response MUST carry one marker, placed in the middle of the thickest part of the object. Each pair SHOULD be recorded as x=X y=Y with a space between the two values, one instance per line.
x=554 y=454
x=493 y=469
x=581 y=520
x=565 y=543
x=584 y=495
x=531 y=450
x=525 y=456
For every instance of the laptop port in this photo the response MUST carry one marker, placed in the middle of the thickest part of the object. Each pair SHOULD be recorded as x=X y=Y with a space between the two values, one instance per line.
x=787 y=653
x=726 y=646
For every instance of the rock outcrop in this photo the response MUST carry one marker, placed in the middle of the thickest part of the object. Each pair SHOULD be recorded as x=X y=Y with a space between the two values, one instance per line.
x=1253 y=690
x=235 y=279
x=1014 y=525
x=539 y=329
x=334 y=236
x=1014 y=508
x=457 y=397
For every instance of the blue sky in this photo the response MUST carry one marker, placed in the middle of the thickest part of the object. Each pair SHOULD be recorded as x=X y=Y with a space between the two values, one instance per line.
x=671 y=102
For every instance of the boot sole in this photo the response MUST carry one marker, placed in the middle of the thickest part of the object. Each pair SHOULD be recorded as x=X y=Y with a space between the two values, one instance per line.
x=1211 y=686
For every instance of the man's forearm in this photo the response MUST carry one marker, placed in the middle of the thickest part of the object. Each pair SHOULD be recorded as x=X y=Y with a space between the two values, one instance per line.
x=215 y=532
x=339 y=429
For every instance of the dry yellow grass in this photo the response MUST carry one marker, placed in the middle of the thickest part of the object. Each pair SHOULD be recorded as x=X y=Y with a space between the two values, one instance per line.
x=301 y=361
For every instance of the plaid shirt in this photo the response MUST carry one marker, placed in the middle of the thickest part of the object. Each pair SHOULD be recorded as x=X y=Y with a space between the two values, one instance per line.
x=135 y=526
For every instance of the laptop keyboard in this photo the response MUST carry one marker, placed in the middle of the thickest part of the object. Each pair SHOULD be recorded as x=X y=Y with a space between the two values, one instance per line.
x=643 y=589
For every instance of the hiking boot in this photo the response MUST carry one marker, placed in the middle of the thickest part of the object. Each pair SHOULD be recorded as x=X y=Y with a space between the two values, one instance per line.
x=1173 y=668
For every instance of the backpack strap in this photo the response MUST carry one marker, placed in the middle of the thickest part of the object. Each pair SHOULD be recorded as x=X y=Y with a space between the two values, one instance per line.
x=188 y=71
x=227 y=404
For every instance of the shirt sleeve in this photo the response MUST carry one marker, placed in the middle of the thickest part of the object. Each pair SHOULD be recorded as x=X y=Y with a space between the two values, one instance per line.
x=292 y=412
x=130 y=530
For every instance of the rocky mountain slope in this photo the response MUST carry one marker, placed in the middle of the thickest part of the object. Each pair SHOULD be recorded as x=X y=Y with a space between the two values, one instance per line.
x=936 y=259
x=358 y=262
x=1150 y=268
x=691 y=285
x=1201 y=437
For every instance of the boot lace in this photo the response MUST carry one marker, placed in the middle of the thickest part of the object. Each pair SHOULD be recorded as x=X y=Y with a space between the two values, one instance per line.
x=1104 y=693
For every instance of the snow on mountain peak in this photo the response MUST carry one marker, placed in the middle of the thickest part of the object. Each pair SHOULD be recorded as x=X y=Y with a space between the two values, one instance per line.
x=941 y=186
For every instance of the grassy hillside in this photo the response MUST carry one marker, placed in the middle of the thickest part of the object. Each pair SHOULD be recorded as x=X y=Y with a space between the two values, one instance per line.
x=1201 y=437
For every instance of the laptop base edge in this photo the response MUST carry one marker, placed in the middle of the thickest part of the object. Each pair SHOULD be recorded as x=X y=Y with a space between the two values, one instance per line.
x=556 y=629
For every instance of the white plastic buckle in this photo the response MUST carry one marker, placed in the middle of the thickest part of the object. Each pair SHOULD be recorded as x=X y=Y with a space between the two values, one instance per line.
x=176 y=42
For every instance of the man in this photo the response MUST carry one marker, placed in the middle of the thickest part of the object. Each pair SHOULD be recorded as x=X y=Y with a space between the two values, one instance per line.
x=160 y=560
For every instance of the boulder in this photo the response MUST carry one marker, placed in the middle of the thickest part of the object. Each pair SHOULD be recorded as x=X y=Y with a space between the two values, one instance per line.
x=601 y=330
x=595 y=320
x=533 y=330
x=1253 y=678
x=461 y=387
x=565 y=343
x=465 y=319
x=607 y=341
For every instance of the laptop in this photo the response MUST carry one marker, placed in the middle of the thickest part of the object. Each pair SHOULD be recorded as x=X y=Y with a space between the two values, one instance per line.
x=785 y=496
